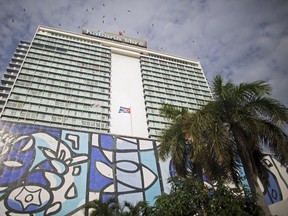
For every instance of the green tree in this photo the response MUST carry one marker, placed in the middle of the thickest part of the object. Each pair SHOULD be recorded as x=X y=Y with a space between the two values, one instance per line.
x=100 y=208
x=186 y=138
x=239 y=120
x=173 y=139
x=233 y=201
x=113 y=208
x=141 y=208
x=190 y=197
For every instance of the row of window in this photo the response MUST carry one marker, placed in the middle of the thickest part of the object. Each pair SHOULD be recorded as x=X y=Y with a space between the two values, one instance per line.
x=174 y=68
x=185 y=78
x=168 y=72
x=75 y=56
x=183 y=67
x=60 y=111
x=154 y=96
x=54 y=51
x=43 y=65
x=50 y=102
x=176 y=93
x=153 y=106
x=71 y=63
x=155 y=58
x=83 y=98
x=190 y=104
x=61 y=92
x=158 y=85
x=193 y=91
x=65 y=39
x=63 y=87
x=75 y=41
x=62 y=80
x=53 y=72
x=72 y=46
x=54 y=120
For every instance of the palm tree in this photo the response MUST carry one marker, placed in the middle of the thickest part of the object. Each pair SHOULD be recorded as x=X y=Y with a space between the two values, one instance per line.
x=173 y=139
x=183 y=140
x=174 y=143
x=100 y=208
x=239 y=120
x=211 y=146
x=140 y=208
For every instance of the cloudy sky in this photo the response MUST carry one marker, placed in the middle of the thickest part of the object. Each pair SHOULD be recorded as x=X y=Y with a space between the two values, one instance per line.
x=243 y=40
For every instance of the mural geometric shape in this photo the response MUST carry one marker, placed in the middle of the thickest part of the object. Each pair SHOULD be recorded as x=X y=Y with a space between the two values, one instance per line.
x=53 y=171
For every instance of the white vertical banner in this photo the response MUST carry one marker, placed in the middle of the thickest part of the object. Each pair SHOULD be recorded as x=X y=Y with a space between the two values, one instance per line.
x=127 y=110
x=127 y=92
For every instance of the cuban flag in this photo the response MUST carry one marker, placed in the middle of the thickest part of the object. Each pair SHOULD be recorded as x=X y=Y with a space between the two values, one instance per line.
x=124 y=110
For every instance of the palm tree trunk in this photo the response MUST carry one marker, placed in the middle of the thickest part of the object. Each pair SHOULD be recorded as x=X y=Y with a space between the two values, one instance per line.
x=247 y=162
x=254 y=186
x=262 y=202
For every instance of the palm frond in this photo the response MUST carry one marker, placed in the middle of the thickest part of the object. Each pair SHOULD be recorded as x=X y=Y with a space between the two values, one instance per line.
x=276 y=139
x=173 y=139
x=250 y=89
x=268 y=108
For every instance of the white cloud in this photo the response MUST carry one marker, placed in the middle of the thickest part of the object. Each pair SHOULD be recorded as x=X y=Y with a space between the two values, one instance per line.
x=242 y=40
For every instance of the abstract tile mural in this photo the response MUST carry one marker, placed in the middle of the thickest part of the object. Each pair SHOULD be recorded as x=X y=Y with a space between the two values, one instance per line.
x=278 y=181
x=54 y=171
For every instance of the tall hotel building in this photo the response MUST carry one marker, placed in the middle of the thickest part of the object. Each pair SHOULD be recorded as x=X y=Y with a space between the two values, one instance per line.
x=72 y=80
x=80 y=121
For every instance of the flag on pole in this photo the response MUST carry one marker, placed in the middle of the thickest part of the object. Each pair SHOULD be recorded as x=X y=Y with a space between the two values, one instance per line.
x=124 y=110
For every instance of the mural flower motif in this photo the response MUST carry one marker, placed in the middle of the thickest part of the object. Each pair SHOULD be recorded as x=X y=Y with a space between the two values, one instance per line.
x=28 y=199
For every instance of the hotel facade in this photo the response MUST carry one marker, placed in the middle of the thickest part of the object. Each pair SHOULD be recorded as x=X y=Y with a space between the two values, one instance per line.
x=66 y=79
x=80 y=121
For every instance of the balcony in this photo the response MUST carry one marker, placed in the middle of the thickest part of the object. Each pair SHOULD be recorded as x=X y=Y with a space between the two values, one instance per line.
x=8 y=81
x=4 y=93
x=12 y=69
x=10 y=75
x=5 y=87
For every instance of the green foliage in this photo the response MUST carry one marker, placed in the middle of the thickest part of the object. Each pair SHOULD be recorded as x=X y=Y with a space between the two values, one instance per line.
x=189 y=197
x=100 y=208
x=229 y=131
x=113 y=208
x=251 y=119
x=186 y=198
x=173 y=139
x=233 y=201
x=140 y=209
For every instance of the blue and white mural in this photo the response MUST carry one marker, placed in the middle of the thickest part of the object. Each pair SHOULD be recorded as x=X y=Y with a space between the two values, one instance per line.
x=54 y=171
x=51 y=171
x=277 y=189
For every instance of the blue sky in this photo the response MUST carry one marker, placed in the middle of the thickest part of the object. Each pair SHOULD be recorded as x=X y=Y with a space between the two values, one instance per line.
x=243 y=40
